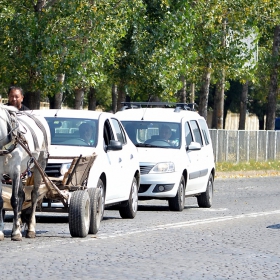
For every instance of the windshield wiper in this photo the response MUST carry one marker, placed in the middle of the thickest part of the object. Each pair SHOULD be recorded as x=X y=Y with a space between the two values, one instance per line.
x=143 y=145
x=151 y=146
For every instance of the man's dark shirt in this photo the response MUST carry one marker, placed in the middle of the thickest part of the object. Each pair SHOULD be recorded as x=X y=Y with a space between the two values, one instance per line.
x=22 y=108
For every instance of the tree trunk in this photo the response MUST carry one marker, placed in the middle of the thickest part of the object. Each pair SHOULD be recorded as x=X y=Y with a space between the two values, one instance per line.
x=121 y=96
x=243 y=106
x=92 y=99
x=57 y=100
x=220 y=100
x=203 y=100
x=221 y=87
x=32 y=100
x=273 y=88
x=192 y=99
x=183 y=90
x=114 y=98
x=214 y=115
x=79 y=99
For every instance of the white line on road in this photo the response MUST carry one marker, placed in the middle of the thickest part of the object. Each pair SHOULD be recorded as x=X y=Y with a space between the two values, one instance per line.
x=148 y=229
x=187 y=224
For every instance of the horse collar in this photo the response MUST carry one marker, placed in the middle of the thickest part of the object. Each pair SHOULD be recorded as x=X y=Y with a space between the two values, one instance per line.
x=8 y=148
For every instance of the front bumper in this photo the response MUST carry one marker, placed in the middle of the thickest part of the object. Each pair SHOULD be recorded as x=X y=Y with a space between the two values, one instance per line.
x=163 y=185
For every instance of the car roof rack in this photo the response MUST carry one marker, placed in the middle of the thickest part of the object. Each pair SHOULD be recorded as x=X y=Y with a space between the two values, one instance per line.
x=178 y=106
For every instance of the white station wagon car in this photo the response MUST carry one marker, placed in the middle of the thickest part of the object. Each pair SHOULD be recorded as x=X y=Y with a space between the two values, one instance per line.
x=116 y=167
x=175 y=150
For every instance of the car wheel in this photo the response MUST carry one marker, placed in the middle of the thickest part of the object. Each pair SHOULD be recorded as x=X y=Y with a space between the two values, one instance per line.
x=79 y=214
x=205 y=199
x=130 y=209
x=100 y=185
x=177 y=203
x=95 y=209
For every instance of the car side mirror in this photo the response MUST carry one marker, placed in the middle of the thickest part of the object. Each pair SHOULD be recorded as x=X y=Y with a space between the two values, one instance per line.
x=194 y=146
x=114 y=146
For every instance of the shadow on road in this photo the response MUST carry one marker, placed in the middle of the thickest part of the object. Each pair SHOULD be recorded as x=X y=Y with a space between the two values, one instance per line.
x=45 y=219
x=276 y=226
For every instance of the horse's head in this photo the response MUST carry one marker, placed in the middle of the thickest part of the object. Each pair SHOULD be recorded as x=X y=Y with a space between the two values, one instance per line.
x=4 y=125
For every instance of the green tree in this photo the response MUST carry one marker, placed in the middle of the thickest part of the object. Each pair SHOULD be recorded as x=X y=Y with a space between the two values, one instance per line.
x=44 y=41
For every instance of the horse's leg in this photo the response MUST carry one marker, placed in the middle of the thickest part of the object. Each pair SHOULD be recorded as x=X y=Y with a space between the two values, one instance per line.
x=1 y=214
x=16 y=231
x=31 y=233
x=21 y=199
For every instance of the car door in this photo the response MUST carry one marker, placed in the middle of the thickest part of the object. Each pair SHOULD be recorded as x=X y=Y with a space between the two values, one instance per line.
x=193 y=160
x=200 y=173
x=127 y=165
x=112 y=164
x=207 y=150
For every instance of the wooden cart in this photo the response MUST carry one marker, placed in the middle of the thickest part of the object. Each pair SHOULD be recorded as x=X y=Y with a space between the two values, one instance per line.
x=83 y=204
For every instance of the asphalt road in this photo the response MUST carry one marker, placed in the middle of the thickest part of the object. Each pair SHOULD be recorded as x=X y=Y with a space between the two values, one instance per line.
x=238 y=238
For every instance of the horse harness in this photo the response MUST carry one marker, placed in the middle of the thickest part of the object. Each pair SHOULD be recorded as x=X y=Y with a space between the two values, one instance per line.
x=17 y=136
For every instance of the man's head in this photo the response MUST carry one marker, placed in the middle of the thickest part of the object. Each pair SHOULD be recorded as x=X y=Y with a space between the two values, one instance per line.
x=15 y=96
x=86 y=131
x=165 y=132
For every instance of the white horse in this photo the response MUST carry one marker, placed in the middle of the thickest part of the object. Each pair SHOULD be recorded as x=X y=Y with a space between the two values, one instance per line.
x=21 y=127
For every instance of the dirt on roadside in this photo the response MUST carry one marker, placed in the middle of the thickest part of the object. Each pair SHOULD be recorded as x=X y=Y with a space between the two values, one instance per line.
x=249 y=174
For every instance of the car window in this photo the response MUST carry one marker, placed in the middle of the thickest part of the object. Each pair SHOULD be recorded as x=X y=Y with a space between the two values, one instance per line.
x=205 y=131
x=196 y=132
x=119 y=132
x=72 y=131
x=188 y=134
x=107 y=133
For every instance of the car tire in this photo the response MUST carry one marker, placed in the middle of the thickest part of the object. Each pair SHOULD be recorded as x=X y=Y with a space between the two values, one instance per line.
x=205 y=199
x=129 y=210
x=79 y=214
x=95 y=209
x=101 y=186
x=177 y=203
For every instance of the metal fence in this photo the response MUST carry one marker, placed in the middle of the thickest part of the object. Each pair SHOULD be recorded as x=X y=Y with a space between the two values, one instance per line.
x=244 y=145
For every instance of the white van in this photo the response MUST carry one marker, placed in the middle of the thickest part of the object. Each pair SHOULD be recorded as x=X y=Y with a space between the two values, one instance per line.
x=175 y=151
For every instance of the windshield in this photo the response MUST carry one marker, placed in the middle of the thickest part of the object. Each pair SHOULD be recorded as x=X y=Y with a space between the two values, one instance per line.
x=154 y=134
x=73 y=132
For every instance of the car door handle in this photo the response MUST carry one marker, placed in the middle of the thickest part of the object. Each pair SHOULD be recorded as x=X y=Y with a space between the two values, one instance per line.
x=131 y=156
x=120 y=160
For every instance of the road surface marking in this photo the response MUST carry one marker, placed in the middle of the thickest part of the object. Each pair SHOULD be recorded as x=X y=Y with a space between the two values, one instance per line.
x=119 y=233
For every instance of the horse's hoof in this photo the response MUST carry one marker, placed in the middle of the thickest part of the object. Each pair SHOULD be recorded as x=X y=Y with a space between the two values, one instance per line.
x=30 y=234
x=16 y=237
x=1 y=236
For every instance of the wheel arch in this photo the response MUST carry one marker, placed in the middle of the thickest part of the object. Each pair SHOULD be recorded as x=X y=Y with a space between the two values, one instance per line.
x=104 y=180
x=137 y=176
x=185 y=174
x=213 y=173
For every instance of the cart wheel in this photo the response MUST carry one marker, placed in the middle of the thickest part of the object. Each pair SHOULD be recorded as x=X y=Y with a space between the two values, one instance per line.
x=95 y=209
x=79 y=214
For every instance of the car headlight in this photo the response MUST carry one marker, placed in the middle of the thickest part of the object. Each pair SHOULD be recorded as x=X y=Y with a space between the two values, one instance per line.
x=163 y=167
x=64 y=167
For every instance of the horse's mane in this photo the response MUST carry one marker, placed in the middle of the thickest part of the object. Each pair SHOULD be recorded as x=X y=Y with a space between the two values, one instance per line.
x=9 y=108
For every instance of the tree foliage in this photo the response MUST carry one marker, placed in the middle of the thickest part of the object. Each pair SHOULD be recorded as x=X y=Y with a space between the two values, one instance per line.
x=145 y=47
